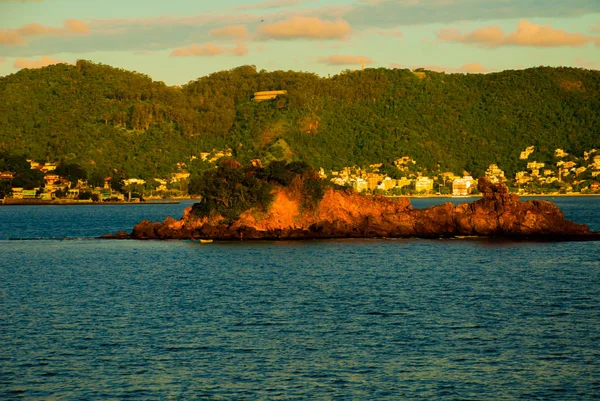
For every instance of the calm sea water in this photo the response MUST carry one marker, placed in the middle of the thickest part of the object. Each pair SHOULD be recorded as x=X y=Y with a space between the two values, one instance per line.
x=340 y=319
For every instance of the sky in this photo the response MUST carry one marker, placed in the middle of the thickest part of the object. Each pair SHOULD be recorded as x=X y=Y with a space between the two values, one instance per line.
x=177 y=41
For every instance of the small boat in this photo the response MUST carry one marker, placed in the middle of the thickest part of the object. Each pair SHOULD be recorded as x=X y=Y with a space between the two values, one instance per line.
x=202 y=241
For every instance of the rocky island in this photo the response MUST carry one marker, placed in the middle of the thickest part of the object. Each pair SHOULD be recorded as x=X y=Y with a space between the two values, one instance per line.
x=304 y=209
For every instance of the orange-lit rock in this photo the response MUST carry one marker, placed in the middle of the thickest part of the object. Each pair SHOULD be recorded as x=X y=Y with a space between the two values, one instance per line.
x=348 y=214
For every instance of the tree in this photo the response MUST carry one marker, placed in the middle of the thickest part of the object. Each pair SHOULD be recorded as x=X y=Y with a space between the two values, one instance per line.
x=73 y=172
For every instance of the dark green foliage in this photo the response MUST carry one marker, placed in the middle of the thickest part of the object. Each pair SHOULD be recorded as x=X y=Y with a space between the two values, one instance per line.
x=229 y=191
x=85 y=195
x=97 y=178
x=5 y=189
x=232 y=189
x=116 y=180
x=73 y=172
x=25 y=177
x=313 y=191
x=15 y=164
x=61 y=193
x=103 y=118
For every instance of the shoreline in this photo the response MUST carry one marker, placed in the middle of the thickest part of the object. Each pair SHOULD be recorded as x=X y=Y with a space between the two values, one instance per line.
x=479 y=196
x=35 y=202
x=175 y=201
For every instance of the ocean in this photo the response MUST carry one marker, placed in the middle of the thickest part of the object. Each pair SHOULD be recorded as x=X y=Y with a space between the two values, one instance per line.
x=373 y=319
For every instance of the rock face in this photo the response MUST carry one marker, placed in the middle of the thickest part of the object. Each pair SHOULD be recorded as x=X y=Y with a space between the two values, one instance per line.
x=342 y=214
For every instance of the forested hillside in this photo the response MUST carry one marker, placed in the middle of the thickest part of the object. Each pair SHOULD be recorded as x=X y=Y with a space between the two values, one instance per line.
x=104 y=118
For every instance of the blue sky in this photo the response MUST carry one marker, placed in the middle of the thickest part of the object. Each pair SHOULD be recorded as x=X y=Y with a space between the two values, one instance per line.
x=180 y=40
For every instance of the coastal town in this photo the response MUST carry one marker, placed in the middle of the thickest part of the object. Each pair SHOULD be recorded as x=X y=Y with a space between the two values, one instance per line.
x=566 y=174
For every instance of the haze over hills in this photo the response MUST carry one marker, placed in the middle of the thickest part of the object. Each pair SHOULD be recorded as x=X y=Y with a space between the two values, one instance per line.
x=105 y=118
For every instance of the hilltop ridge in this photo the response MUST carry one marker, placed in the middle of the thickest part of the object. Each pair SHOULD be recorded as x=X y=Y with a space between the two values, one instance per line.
x=105 y=118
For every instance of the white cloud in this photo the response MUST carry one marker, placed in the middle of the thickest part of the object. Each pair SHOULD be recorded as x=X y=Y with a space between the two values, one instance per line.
x=305 y=28
x=18 y=36
x=339 y=59
x=231 y=31
x=209 y=49
x=467 y=68
x=21 y=63
x=527 y=34
x=272 y=4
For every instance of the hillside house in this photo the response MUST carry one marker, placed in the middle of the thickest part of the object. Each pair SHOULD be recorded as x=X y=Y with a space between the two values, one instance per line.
x=48 y=167
x=162 y=184
x=134 y=181
x=359 y=185
x=424 y=184
x=51 y=179
x=560 y=153
x=6 y=175
x=29 y=194
x=459 y=187
x=495 y=174
x=373 y=180
x=403 y=182
x=522 y=177
x=17 y=193
x=387 y=184
x=178 y=177
x=525 y=154
x=268 y=95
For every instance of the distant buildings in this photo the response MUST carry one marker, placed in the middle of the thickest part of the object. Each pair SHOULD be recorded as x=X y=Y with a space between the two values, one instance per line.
x=423 y=185
x=535 y=168
x=560 y=153
x=459 y=187
x=268 y=95
x=403 y=162
x=463 y=186
x=525 y=154
x=360 y=185
x=6 y=175
x=495 y=174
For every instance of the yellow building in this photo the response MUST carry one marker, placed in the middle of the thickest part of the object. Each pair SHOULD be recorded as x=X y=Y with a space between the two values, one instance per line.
x=525 y=154
x=359 y=185
x=268 y=95
x=403 y=182
x=560 y=153
x=176 y=177
x=495 y=174
x=388 y=184
x=521 y=177
x=535 y=165
x=424 y=184
x=459 y=187
x=17 y=193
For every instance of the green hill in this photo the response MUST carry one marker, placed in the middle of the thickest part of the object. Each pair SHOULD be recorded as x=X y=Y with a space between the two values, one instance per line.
x=102 y=117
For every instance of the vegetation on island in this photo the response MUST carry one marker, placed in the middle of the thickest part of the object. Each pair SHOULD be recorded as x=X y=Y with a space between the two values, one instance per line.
x=232 y=188
x=112 y=122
